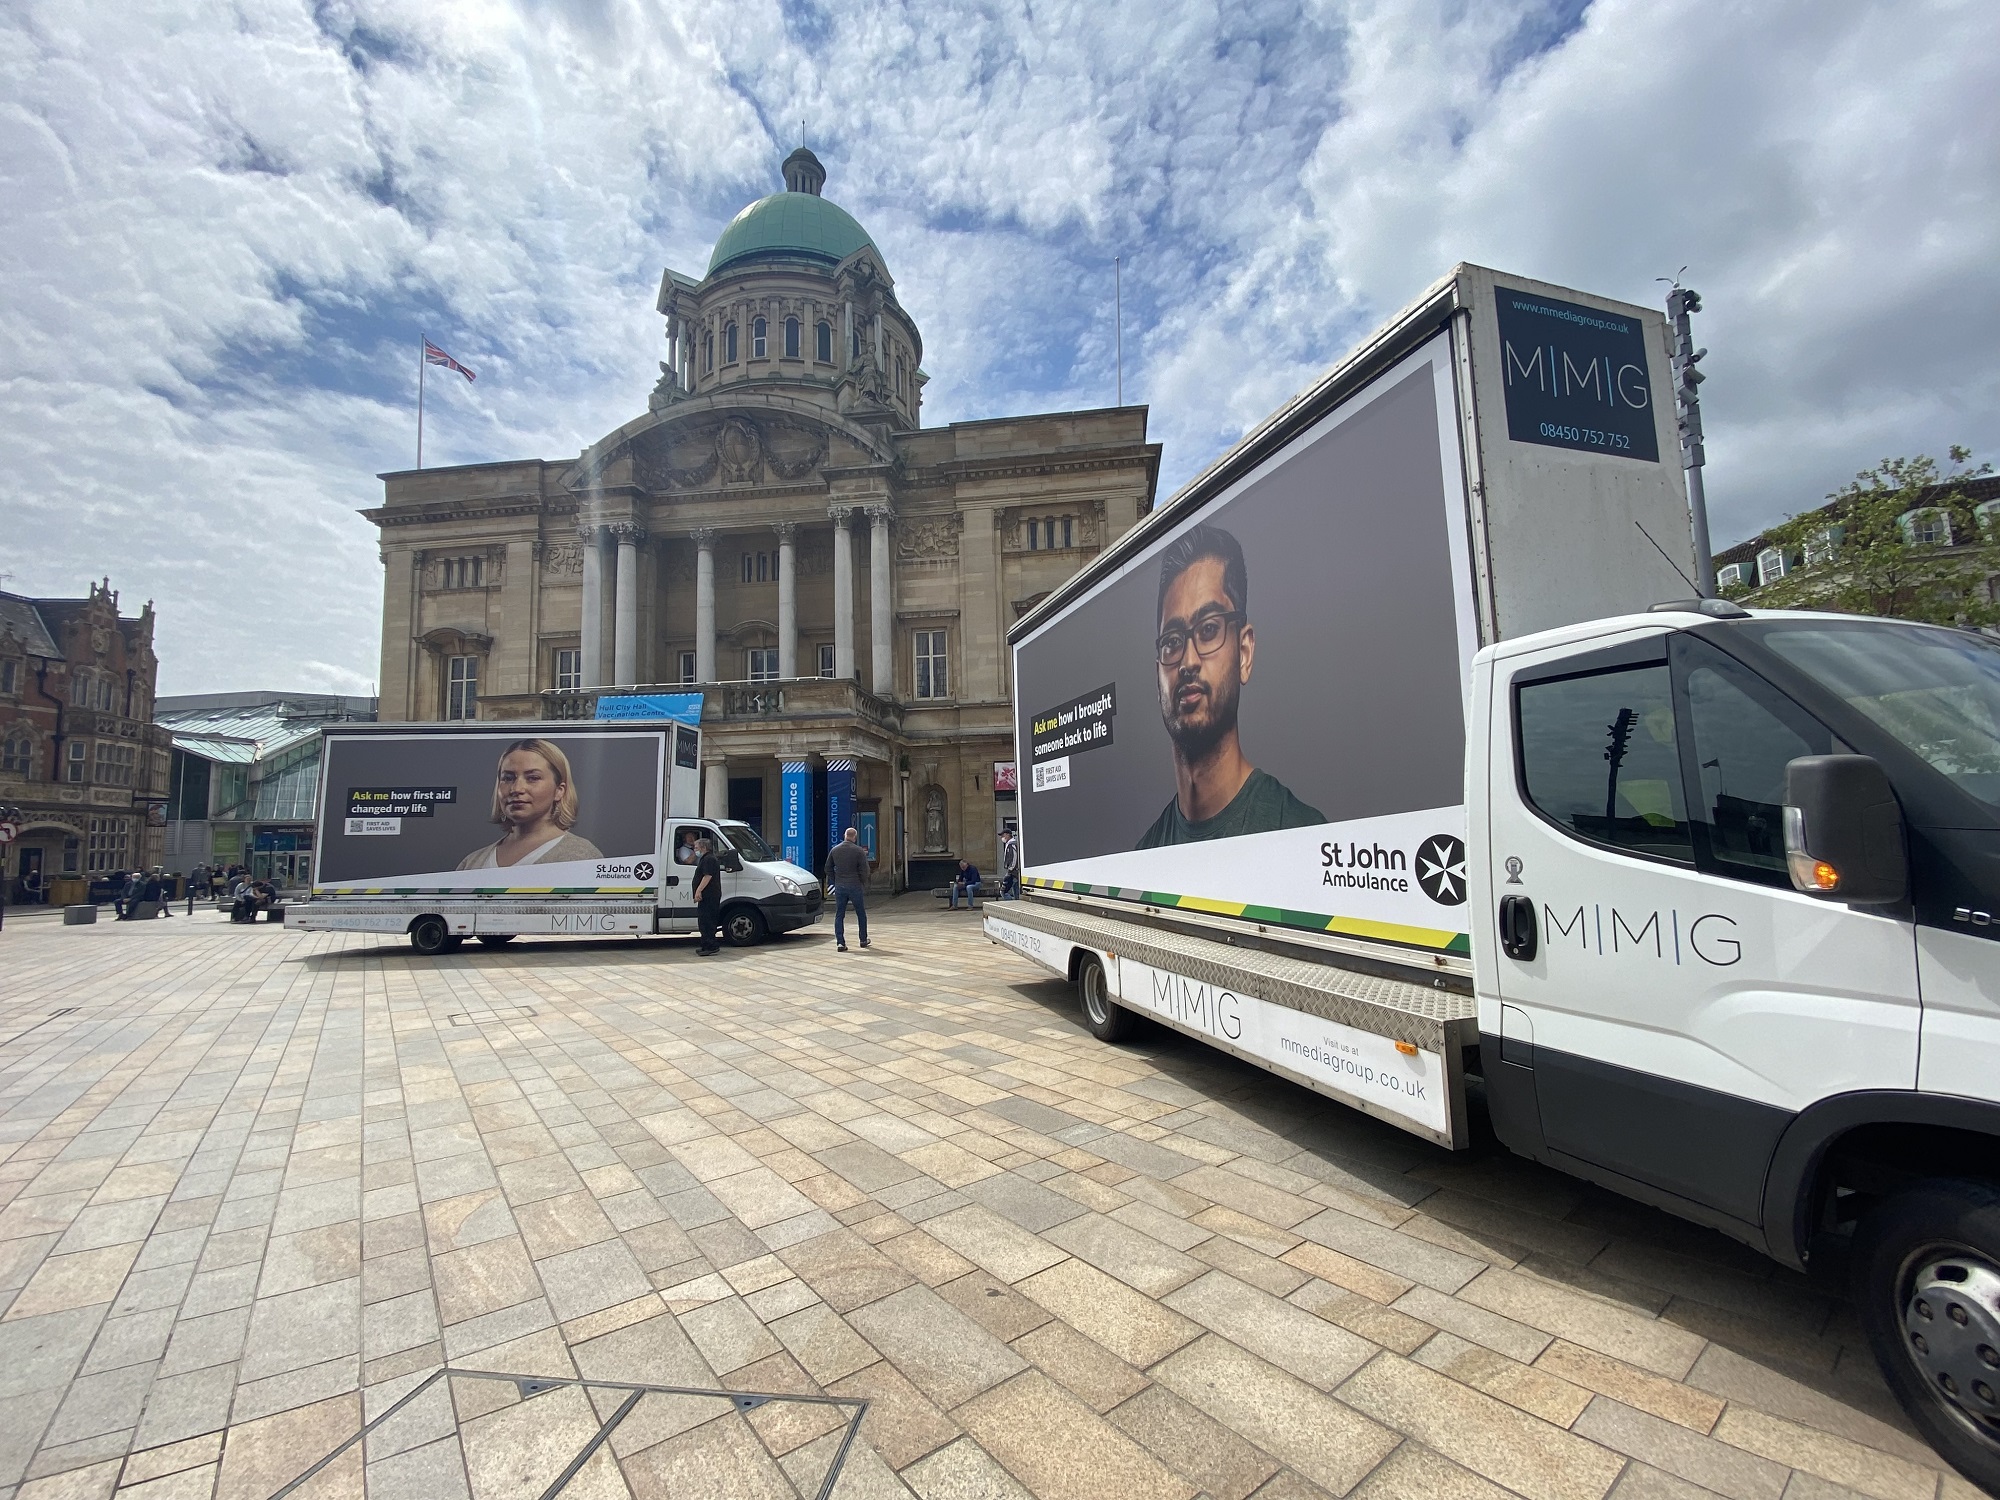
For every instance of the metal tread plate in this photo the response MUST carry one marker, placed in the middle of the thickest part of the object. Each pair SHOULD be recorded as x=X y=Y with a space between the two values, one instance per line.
x=1424 y=1015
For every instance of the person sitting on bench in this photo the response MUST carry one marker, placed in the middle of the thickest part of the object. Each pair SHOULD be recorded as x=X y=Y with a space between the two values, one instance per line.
x=967 y=881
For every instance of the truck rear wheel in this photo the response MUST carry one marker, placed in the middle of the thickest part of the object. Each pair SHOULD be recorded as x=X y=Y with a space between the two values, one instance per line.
x=1105 y=1018
x=429 y=936
x=744 y=926
x=1927 y=1286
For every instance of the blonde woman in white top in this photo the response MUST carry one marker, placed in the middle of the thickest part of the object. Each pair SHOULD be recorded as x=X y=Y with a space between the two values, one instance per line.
x=534 y=799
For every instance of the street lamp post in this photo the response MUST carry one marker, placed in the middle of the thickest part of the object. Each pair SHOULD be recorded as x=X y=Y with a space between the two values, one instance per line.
x=1681 y=302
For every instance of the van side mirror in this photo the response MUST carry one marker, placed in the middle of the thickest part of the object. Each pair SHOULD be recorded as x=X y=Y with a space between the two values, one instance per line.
x=1844 y=831
x=732 y=861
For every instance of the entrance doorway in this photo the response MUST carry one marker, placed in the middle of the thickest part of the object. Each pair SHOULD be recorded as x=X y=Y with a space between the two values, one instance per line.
x=746 y=802
x=32 y=884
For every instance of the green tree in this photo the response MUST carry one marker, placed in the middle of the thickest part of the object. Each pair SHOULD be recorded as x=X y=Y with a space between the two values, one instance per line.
x=1877 y=550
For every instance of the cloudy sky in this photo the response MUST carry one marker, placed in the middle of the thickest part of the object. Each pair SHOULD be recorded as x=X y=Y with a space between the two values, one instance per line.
x=224 y=225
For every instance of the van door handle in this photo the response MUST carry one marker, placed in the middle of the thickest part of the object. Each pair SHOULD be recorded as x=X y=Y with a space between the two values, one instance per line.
x=673 y=880
x=1518 y=936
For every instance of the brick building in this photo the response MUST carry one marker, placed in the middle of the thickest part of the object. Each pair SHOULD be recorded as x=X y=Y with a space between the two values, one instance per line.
x=79 y=754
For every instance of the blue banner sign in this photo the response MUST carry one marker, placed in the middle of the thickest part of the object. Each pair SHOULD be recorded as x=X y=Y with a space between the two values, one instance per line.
x=685 y=708
x=795 y=791
x=839 y=799
x=865 y=834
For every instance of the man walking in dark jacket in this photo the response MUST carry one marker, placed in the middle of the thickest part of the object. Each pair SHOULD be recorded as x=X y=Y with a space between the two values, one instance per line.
x=847 y=873
x=708 y=897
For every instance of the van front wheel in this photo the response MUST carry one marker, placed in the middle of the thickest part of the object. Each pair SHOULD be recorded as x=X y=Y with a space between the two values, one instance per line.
x=1105 y=1018
x=1927 y=1287
x=744 y=926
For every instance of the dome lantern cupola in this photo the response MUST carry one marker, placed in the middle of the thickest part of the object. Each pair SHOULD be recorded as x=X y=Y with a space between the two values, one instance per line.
x=803 y=173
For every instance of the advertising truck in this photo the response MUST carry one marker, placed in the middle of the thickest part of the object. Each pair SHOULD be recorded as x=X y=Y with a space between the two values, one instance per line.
x=447 y=831
x=1392 y=755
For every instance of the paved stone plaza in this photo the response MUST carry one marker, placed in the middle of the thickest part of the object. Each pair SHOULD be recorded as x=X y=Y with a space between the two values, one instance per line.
x=262 y=1186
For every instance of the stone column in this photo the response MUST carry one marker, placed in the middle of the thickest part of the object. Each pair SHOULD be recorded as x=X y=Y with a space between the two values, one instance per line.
x=704 y=605
x=715 y=789
x=625 y=630
x=593 y=606
x=881 y=606
x=843 y=593
x=788 y=602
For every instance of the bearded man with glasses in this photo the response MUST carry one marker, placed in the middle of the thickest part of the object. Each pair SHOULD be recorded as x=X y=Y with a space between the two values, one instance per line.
x=1205 y=650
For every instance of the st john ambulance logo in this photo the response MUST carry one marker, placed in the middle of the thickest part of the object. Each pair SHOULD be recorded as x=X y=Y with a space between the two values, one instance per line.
x=644 y=870
x=1441 y=869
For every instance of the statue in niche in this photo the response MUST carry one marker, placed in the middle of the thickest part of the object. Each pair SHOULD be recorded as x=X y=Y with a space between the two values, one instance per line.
x=934 y=842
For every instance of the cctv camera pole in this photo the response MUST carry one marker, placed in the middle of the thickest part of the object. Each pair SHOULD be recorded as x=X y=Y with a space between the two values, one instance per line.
x=1681 y=302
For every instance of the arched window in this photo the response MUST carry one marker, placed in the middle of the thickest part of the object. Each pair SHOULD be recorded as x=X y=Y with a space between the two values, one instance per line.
x=729 y=344
x=708 y=354
x=18 y=754
x=759 y=339
x=749 y=567
x=823 y=343
x=791 y=338
x=899 y=375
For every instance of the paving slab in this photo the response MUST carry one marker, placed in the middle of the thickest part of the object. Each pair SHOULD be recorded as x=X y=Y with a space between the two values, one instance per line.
x=250 y=1204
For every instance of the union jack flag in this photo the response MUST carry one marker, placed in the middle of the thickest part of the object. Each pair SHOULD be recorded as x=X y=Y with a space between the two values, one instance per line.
x=436 y=356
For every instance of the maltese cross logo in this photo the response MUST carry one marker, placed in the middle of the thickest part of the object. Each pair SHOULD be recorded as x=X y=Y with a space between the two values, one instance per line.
x=1441 y=869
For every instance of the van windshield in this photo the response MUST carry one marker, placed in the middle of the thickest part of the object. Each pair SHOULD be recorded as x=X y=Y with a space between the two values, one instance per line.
x=749 y=844
x=1935 y=690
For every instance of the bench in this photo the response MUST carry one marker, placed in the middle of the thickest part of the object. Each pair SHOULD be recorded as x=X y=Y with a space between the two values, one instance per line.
x=943 y=893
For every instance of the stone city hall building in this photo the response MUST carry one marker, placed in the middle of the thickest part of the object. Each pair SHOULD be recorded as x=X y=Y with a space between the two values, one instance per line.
x=781 y=533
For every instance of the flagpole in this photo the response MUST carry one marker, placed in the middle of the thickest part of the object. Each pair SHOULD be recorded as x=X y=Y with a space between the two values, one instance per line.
x=420 y=400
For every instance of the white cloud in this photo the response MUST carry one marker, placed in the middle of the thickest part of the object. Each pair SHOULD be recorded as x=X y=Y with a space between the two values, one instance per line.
x=227 y=222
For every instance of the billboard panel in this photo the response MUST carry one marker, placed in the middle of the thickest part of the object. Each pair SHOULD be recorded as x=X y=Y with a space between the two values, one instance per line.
x=1262 y=712
x=491 y=813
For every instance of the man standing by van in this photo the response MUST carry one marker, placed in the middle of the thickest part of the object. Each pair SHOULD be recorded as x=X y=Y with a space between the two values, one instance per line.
x=1205 y=650
x=708 y=897
x=847 y=873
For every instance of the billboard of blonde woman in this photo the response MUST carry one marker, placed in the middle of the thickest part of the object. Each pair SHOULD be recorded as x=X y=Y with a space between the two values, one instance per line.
x=522 y=810
x=535 y=801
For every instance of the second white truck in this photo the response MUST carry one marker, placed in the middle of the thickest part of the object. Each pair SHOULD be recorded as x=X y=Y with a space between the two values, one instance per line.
x=1370 y=758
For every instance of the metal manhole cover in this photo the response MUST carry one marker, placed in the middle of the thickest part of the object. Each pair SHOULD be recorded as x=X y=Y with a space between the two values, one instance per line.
x=533 y=1437
x=494 y=1013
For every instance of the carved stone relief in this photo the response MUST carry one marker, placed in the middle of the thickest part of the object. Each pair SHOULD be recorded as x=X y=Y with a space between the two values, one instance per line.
x=934 y=821
x=562 y=560
x=930 y=536
x=735 y=450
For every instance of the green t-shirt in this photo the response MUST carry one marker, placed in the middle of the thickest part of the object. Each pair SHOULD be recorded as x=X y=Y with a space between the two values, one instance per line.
x=1261 y=804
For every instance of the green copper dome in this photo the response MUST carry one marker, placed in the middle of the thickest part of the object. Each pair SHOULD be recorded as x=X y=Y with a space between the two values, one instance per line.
x=789 y=224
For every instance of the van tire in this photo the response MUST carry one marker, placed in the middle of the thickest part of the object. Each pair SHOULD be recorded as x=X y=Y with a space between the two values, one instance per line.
x=430 y=937
x=495 y=939
x=1103 y=1017
x=1929 y=1258
x=744 y=926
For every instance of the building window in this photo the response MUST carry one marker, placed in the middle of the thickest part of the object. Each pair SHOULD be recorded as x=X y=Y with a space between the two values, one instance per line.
x=1822 y=544
x=79 y=760
x=1927 y=528
x=1770 y=565
x=933 y=677
x=729 y=344
x=791 y=338
x=1069 y=533
x=1730 y=576
x=687 y=669
x=114 y=764
x=760 y=567
x=826 y=661
x=1987 y=516
x=18 y=755
x=72 y=856
x=569 y=669
x=759 y=338
x=79 y=691
x=462 y=688
x=763 y=663
x=110 y=843
x=899 y=375
x=462 y=573
x=10 y=678
x=823 y=343
x=708 y=354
